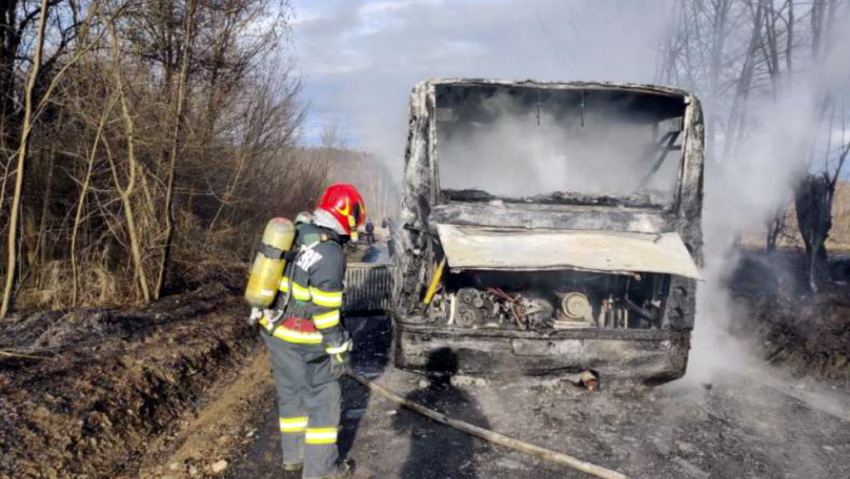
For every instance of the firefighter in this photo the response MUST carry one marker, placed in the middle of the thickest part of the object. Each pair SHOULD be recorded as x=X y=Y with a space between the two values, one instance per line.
x=307 y=342
x=370 y=232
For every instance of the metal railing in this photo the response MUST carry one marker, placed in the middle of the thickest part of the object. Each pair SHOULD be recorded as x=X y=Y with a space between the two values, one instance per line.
x=367 y=288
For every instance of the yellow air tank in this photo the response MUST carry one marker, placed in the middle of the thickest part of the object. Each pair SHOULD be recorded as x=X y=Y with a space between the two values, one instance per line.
x=267 y=270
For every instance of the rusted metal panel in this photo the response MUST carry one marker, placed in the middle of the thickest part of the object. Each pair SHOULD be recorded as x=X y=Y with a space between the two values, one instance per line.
x=469 y=247
x=367 y=288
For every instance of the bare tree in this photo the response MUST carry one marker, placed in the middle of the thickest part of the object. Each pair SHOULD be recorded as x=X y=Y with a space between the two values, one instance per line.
x=175 y=148
x=736 y=53
x=11 y=259
x=84 y=189
x=102 y=197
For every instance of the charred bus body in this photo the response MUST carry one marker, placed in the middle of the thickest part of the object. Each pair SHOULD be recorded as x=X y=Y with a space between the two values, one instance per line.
x=556 y=225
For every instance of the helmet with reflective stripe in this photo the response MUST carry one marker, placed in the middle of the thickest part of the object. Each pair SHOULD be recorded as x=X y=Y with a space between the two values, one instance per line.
x=345 y=204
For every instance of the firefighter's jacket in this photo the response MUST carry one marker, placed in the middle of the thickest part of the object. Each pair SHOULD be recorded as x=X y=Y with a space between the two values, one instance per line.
x=313 y=282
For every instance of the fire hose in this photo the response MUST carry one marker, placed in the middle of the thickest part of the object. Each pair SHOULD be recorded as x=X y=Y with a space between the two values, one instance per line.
x=494 y=437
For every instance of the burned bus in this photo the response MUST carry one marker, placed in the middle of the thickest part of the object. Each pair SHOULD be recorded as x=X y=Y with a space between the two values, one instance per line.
x=549 y=228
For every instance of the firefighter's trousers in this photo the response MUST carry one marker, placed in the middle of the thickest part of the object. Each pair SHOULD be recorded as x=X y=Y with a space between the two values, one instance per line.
x=308 y=395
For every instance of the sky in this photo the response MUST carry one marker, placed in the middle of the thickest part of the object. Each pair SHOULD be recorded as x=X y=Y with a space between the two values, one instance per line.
x=359 y=59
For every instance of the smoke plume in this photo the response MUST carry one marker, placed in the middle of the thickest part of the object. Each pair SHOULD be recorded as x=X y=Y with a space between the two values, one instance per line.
x=361 y=58
x=528 y=151
x=744 y=189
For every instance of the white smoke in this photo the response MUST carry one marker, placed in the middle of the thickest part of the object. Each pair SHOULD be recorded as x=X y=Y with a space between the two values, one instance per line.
x=745 y=189
x=527 y=151
x=361 y=58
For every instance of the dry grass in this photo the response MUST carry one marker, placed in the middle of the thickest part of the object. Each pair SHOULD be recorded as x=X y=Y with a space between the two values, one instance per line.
x=839 y=236
x=51 y=287
x=200 y=257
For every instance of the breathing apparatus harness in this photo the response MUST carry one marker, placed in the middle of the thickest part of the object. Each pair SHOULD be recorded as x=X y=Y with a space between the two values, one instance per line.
x=310 y=241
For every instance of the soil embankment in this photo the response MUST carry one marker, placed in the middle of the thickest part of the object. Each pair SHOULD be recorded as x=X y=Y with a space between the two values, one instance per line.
x=113 y=385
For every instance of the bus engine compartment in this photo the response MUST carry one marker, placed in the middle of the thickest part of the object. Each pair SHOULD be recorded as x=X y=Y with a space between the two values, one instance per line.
x=550 y=300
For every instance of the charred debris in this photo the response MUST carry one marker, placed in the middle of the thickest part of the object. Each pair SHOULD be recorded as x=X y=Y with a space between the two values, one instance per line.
x=545 y=300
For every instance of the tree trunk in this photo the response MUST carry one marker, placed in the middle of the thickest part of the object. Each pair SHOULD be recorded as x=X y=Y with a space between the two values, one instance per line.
x=718 y=44
x=41 y=240
x=789 y=46
x=813 y=201
x=775 y=226
x=175 y=149
x=80 y=206
x=127 y=192
x=738 y=112
x=22 y=156
x=10 y=39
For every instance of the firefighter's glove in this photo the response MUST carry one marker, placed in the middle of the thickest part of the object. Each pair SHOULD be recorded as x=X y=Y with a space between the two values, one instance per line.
x=255 y=317
x=340 y=356
x=271 y=316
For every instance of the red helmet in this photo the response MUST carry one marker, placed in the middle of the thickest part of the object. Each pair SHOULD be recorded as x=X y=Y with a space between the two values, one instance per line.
x=344 y=203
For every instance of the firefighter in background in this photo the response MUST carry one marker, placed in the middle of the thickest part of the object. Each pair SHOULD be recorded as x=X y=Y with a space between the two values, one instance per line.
x=370 y=232
x=308 y=344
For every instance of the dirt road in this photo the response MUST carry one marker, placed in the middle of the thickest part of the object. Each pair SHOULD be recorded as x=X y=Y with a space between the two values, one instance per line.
x=734 y=428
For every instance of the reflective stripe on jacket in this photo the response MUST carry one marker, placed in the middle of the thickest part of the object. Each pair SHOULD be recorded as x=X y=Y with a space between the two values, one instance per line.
x=314 y=280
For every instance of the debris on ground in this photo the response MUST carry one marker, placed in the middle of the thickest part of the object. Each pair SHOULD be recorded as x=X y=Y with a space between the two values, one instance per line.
x=807 y=333
x=462 y=380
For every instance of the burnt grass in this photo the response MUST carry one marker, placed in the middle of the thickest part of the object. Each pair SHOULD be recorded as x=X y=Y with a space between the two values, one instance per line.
x=110 y=380
x=808 y=333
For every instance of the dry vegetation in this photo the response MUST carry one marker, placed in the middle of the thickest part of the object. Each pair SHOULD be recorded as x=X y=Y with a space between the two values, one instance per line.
x=789 y=234
x=839 y=237
x=145 y=145
x=773 y=75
